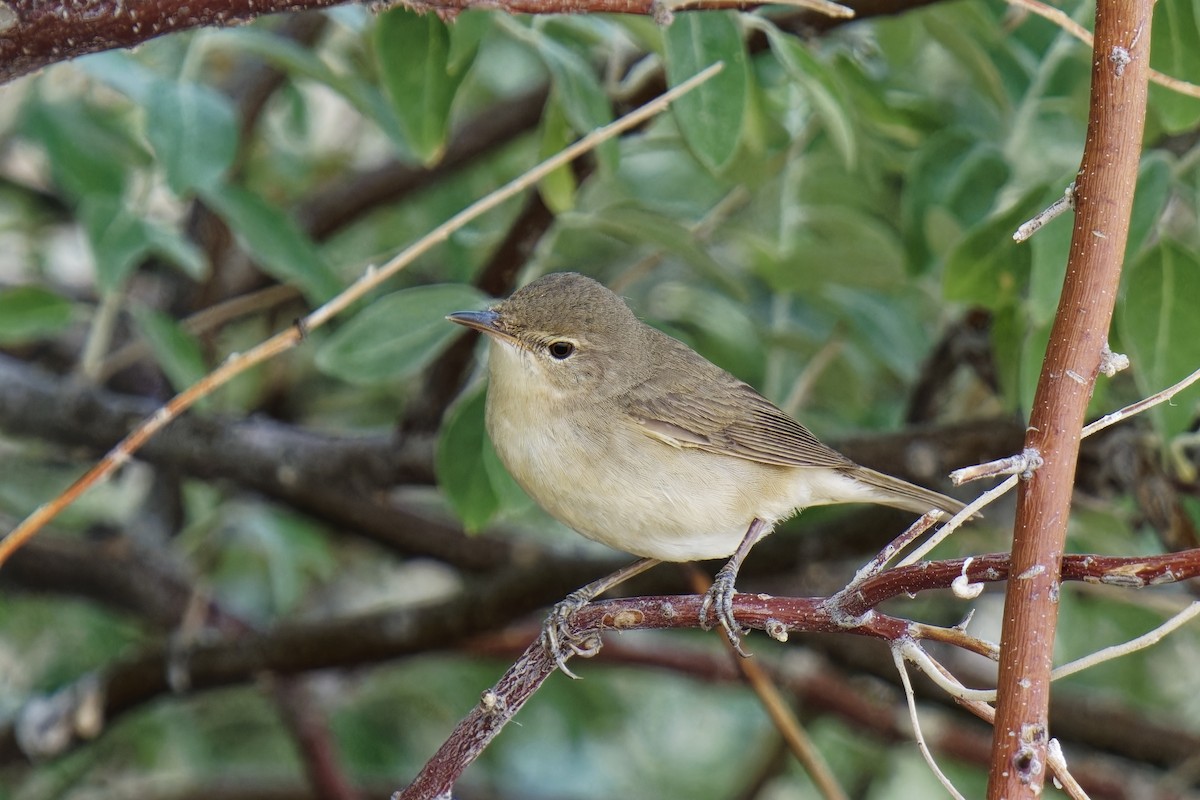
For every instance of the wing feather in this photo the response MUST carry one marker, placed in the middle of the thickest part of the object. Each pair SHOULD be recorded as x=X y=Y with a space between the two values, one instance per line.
x=693 y=403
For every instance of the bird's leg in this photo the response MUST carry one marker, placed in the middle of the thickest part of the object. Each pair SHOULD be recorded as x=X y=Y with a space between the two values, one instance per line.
x=557 y=638
x=720 y=595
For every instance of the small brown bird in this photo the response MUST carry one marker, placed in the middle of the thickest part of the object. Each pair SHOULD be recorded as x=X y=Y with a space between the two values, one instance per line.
x=635 y=440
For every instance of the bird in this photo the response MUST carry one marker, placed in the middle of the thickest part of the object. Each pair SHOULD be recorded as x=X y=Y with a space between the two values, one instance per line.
x=633 y=439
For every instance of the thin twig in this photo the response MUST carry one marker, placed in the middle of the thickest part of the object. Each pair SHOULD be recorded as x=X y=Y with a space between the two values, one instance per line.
x=1058 y=765
x=916 y=724
x=287 y=339
x=202 y=322
x=1055 y=209
x=1023 y=464
x=1132 y=646
x=790 y=728
x=1094 y=427
x=973 y=508
x=1081 y=33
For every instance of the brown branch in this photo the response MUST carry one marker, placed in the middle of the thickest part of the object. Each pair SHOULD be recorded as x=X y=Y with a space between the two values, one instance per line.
x=1104 y=199
x=309 y=728
x=1101 y=727
x=299 y=647
x=34 y=35
x=843 y=615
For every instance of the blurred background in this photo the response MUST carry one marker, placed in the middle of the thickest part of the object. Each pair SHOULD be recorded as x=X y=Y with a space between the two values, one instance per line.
x=300 y=587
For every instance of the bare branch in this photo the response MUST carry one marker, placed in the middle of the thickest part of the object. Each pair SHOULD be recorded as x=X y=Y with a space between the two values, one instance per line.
x=1104 y=200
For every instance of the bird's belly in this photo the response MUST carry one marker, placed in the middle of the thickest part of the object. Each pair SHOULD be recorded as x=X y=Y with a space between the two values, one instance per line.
x=662 y=502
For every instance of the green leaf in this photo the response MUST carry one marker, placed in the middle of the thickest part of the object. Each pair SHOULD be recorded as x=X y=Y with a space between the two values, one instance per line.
x=301 y=61
x=28 y=313
x=824 y=92
x=710 y=117
x=1161 y=328
x=579 y=94
x=461 y=465
x=1173 y=51
x=837 y=244
x=86 y=157
x=398 y=334
x=558 y=187
x=170 y=245
x=414 y=58
x=712 y=322
x=1153 y=189
x=987 y=267
x=961 y=41
x=636 y=225
x=194 y=132
x=954 y=178
x=1019 y=343
x=466 y=34
x=118 y=238
x=274 y=239
x=122 y=72
x=192 y=127
x=175 y=350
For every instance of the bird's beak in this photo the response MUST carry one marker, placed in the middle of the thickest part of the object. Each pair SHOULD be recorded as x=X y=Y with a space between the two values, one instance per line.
x=489 y=322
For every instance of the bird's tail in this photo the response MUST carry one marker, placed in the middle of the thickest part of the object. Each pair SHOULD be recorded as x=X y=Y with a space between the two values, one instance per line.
x=902 y=494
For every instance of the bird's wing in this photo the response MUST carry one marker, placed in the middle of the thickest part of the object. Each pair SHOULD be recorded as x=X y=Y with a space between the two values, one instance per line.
x=706 y=408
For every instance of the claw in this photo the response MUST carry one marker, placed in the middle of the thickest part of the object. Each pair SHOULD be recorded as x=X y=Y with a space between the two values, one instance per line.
x=557 y=638
x=720 y=599
x=560 y=642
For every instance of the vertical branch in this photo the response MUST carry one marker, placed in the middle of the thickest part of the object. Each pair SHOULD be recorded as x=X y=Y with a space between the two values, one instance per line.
x=1104 y=199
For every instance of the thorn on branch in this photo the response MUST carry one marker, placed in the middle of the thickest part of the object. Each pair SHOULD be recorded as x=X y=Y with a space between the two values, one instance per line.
x=1024 y=464
x=1055 y=209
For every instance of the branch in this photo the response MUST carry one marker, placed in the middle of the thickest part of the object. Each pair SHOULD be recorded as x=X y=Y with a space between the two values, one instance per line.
x=34 y=35
x=779 y=615
x=1104 y=199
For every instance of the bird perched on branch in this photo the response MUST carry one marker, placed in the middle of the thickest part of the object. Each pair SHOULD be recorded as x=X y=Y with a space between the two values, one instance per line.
x=635 y=440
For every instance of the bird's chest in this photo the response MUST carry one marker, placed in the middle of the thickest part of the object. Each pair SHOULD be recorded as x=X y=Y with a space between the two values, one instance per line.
x=594 y=470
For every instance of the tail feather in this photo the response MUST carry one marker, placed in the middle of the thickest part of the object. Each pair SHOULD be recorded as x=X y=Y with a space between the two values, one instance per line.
x=904 y=495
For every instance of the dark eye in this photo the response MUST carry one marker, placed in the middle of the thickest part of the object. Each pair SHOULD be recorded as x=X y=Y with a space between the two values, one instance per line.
x=561 y=350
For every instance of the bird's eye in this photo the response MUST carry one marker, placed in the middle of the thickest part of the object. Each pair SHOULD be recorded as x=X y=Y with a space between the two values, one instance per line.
x=561 y=350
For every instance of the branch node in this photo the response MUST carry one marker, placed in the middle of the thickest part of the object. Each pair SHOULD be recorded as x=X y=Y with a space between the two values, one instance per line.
x=962 y=586
x=1057 y=208
x=1024 y=464
x=492 y=703
x=776 y=629
x=1111 y=363
x=1120 y=58
x=1026 y=759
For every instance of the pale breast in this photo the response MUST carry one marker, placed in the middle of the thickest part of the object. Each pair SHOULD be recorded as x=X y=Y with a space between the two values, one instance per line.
x=617 y=486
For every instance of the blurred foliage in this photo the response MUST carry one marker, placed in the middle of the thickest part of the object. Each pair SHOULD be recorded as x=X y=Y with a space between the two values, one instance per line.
x=855 y=190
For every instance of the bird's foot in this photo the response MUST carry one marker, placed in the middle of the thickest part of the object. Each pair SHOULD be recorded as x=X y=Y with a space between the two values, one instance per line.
x=720 y=599
x=560 y=641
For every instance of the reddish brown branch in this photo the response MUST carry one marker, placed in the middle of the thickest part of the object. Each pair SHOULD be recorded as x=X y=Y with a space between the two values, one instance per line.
x=34 y=35
x=1104 y=199
x=847 y=614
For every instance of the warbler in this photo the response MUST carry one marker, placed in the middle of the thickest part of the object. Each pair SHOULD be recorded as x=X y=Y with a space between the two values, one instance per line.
x=633 y=439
